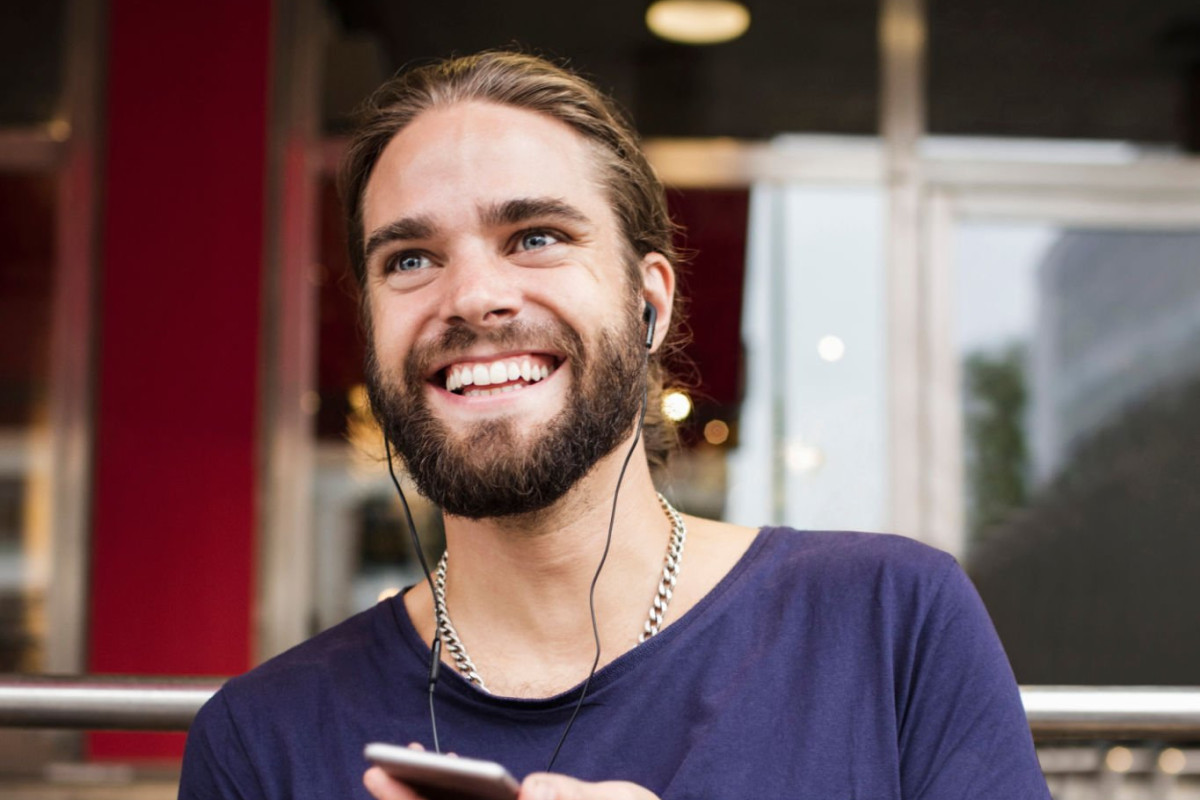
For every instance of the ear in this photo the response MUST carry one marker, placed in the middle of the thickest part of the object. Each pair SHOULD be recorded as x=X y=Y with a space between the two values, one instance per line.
x=658 y=289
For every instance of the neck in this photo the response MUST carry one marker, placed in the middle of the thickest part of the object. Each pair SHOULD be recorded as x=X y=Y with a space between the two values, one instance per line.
x=544 y=562
x=518 y=587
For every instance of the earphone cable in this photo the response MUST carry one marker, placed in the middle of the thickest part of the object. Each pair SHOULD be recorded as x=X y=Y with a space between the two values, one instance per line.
x=595 y=578
x=435 y=647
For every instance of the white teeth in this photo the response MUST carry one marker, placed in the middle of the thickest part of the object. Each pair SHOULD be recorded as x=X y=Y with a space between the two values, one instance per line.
x=463 y=375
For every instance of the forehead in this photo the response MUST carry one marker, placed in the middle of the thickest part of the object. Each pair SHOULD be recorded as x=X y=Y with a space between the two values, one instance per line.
x=473 y=155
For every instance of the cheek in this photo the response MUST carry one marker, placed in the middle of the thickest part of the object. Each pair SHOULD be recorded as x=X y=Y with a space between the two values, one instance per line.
x=390 y=336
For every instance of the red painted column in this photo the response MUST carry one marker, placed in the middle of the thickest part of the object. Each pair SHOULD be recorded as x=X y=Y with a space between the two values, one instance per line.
x=173 y=537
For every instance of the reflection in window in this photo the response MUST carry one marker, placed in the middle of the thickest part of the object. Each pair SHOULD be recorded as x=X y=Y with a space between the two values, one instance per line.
x=1080 y=359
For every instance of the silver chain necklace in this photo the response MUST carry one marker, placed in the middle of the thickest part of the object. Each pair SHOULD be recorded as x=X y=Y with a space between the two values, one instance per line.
x=658 y=609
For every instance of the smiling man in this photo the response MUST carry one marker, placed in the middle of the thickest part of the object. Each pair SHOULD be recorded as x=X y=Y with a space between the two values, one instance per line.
x=491 y=254
x=514 y=255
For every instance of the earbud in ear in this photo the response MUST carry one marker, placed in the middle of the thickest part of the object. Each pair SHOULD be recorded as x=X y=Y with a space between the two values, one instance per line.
x=650 y=317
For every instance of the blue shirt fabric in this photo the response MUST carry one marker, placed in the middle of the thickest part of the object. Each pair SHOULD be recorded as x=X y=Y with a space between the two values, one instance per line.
x=824 y=665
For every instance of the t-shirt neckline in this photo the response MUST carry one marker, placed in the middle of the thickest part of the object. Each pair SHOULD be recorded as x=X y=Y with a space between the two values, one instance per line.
x=451 y=681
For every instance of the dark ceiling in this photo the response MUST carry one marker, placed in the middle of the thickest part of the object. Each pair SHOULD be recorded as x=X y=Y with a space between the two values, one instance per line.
x=1098 y=69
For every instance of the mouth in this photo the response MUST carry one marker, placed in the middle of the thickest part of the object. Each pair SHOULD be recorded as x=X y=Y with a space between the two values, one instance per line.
x=481 y=378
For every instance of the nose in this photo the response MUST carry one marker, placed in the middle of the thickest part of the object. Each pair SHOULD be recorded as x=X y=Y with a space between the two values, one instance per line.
x=481 y=290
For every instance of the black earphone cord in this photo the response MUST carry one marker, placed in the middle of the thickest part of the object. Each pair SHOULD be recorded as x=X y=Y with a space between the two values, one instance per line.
x=435 y=647
x=595 y=578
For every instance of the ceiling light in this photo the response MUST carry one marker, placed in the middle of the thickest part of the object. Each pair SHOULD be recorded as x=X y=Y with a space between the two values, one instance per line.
x=698 y=21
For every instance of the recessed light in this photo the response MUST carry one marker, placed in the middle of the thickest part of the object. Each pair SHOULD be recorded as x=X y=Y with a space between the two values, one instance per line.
x=698 y=21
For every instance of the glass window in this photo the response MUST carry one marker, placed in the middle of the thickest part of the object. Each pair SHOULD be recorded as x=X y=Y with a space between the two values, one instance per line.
x=812 y=438
x=1080 y=361
x=27 y=219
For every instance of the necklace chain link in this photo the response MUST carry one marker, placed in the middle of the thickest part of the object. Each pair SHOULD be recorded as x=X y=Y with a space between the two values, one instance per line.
x=658 y=608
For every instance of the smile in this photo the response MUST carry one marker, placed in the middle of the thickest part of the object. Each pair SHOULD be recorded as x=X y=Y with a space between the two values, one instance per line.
x=508 y=374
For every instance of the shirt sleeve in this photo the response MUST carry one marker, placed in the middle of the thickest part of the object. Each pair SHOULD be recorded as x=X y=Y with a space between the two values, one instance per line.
x=963 y=729
x=215 y=763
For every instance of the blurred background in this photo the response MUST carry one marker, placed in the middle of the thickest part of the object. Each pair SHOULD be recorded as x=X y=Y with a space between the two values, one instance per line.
x=946 y=283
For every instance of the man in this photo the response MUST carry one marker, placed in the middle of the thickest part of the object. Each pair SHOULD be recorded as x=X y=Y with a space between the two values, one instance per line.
x=514 y=255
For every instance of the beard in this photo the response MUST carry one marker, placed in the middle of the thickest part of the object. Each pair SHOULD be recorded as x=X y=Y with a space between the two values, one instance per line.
x=494 y=469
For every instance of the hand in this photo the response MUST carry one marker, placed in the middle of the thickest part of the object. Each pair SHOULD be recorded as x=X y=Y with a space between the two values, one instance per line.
x=539 y=786
x=548 y=786
x=383 y=787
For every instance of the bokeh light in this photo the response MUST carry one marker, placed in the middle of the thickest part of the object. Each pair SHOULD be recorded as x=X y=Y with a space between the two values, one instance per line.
x=716 y=431
x=831 y=348
x=676 y=405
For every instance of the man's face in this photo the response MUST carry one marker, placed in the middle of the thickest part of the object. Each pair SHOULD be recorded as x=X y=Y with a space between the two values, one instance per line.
x=505 y=355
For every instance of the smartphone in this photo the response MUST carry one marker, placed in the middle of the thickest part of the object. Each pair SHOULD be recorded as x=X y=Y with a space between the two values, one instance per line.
x=440 y=777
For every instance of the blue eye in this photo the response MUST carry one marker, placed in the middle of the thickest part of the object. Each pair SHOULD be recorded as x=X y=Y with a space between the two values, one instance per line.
x=535 y=240
x=407 y=262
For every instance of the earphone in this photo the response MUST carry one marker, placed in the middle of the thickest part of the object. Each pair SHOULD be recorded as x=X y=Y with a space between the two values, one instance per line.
x=650 y=317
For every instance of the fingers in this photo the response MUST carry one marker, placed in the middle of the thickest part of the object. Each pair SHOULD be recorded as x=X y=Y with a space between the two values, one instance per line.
x=383 y=787
x=546 y=786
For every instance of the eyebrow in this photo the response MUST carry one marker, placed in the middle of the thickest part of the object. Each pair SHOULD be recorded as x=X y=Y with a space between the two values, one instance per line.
x=523 y=209
x=509 y=212
x=399 y=231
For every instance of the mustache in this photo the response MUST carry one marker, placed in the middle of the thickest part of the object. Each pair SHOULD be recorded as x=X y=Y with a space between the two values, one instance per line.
x=514 y=335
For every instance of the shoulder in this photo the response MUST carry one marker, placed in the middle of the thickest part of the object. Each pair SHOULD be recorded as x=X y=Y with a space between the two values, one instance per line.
x=856 y=558
x=883 y=586
x=347 y=654
x=330 y=694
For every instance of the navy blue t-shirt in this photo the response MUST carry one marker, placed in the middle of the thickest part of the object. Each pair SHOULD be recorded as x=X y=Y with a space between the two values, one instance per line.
x=824 y=666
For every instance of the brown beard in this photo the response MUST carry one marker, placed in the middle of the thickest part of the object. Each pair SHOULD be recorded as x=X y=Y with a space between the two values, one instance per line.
x=493 y=470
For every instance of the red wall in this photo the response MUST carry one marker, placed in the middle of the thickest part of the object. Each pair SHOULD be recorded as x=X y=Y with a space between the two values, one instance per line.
x=172 y=580
x=715 y=223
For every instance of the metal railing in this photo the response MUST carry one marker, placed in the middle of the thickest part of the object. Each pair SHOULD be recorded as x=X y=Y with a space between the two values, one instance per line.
x=162 y=703
x=95 y=702
x=1162 y=713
